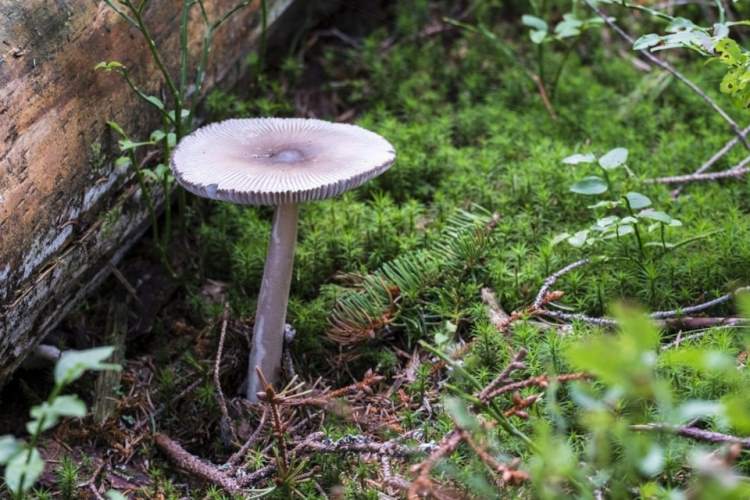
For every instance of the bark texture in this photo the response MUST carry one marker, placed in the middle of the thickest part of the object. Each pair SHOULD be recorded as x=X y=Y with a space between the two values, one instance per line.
x=65 y=211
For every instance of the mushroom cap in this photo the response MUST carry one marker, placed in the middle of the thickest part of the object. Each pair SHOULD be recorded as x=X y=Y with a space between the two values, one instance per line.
x=275 y=161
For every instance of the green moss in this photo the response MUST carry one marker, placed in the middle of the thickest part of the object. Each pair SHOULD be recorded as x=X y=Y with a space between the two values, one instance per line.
x=470 y=129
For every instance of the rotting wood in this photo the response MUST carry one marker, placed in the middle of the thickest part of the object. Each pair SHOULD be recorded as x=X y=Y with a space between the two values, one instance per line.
x=65 y=210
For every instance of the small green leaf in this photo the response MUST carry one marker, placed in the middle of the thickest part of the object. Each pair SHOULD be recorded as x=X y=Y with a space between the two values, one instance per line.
x=614 y=159
x=157 y=135
x=109 y=66
x=559 y=238
x=122 y=162
x=537 y=37
x=115 y=495
x=590 y=186
x=579 y=158
x=155 y=101
x=72 y=364
x=625 y=230
x=127 y=144
x=579 y=239
x=607 y=221
x=637 y=200
x=653 y=463
x=49 y=413
x=9 y=446
x=117 y=128
x=605 y=204
x=534 y=22
x=646 y=41
x=23 y=466
x=656 y=215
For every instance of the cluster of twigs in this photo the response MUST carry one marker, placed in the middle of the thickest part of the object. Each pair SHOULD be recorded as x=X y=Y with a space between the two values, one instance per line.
x=505 y=473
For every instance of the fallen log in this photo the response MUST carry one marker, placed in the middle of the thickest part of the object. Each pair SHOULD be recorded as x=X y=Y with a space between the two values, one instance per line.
x=66 y=212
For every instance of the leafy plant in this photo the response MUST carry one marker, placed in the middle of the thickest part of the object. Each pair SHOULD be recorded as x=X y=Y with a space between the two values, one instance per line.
x=565 y=33
x=185 y=92
x=22 y=460
x=713 y=42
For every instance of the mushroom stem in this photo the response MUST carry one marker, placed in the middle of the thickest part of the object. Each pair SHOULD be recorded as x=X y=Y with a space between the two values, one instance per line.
x=270 y=318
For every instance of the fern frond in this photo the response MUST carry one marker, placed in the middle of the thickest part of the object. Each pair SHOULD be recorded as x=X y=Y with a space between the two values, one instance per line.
x=380 y=298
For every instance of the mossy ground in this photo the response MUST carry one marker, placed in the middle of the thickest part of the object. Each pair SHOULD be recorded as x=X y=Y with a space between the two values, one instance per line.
x=472 y=133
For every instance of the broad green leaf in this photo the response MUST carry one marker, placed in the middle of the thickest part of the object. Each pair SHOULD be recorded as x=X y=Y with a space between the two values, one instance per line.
x=23 y=466
x=590 y=186
x=656 y=215
x=534 y=22
x=9 y=446
x=115 y=495
x=72 y=364
x=614 y=159
x=637 y=200
x=579 y=158
x=647 y=41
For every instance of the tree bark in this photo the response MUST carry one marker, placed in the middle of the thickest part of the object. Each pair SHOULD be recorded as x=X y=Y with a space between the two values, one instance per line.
x=65 y=210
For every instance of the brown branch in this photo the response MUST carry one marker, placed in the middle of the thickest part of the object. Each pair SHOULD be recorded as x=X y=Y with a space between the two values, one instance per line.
x=422 y=485
x=716 y=157
x=217 y=374
x=538 y=381
x=254 y=437
x=359 y=444
x=509 y=474
x=190 y=463
x=736 y=172
x=671 y=69
x=497 y=316
x=540 y=299
x=504 y=376
x=694 y=433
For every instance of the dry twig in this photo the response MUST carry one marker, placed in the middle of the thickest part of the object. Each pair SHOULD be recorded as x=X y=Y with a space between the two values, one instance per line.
x=189 y=462
x=694 y=433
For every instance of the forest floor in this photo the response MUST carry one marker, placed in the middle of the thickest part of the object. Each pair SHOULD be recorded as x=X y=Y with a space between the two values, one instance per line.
x=448 y=339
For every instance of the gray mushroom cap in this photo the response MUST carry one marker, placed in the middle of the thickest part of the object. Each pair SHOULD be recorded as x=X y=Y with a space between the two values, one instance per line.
x=276 y=161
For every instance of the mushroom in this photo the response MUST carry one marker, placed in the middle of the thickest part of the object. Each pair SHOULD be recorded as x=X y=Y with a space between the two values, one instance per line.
x=280 y=162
